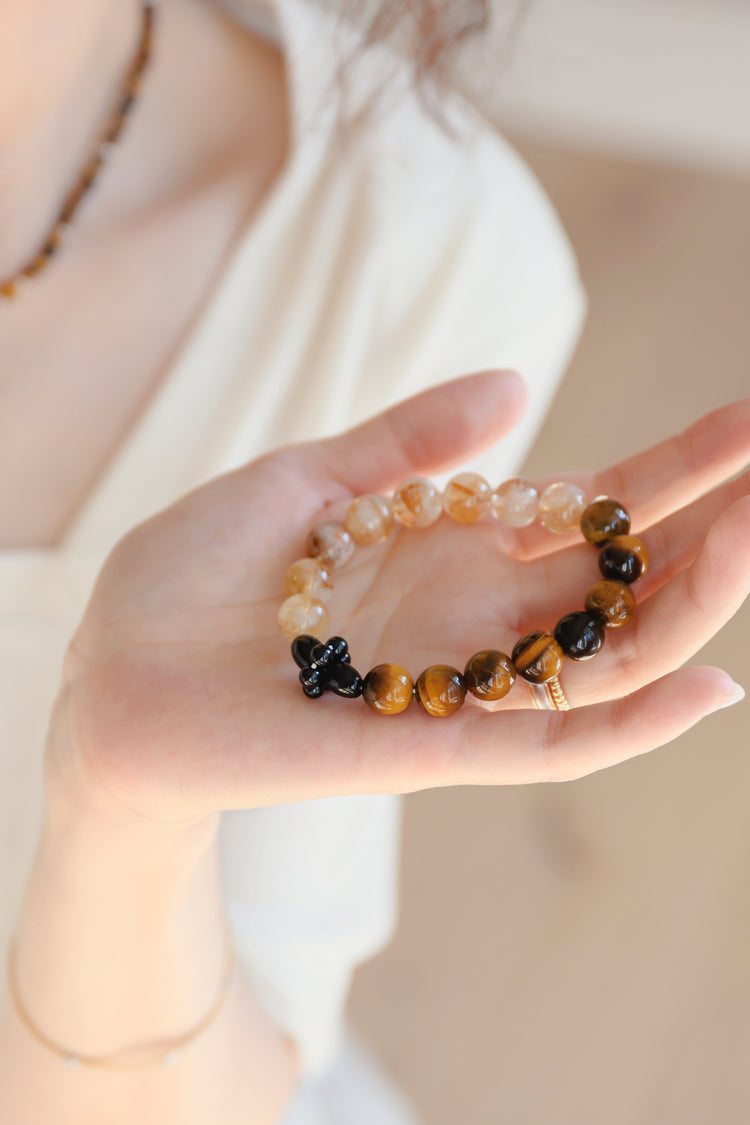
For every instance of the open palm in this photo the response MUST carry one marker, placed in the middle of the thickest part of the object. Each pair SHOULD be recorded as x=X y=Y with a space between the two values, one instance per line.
x=181 y=695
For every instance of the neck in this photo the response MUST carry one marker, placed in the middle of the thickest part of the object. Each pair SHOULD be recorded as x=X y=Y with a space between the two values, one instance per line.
x=61 y=66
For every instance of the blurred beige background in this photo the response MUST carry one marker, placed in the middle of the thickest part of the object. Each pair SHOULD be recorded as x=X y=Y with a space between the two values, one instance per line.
x=578 y=954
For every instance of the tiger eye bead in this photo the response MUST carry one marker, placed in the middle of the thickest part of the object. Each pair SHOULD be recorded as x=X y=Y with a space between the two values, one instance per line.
x=625 y=558
x=440 y=690
x=307 y=576
x=369 y=519
x=515 y=502
x=417 y=503
x=579 y=635
x=388 y=689
x=611 y=602
x=561 y=506
x=537 y=657
x=467 y=497
x=603 y=519
x=301 y=614
x=331 y=544
x=489 y=674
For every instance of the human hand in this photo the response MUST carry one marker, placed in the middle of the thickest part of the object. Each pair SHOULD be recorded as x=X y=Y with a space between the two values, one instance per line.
x=181 y=698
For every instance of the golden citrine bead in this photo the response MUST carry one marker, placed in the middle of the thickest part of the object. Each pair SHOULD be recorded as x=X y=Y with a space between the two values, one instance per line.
x=537 y=657
x=440 y=690
x=369 y=519
x=624 y=558
x=603 y=519
x=467 y=497
x=388 y=689
x=489 y=674
x=417 y=503
x=302 y=614
x=561 y=507
x=332 y=544
x=307 y=576
x=612 y=602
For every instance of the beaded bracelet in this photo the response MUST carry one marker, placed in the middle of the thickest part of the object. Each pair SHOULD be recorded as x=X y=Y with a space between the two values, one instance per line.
x=489 y=674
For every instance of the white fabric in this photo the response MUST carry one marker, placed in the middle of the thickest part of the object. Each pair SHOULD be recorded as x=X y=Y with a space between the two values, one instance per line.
x=370 y=272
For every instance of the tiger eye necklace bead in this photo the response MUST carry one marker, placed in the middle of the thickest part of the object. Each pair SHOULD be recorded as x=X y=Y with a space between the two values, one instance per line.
x=440 y=690
x=417 y=503
x=603 y=519
x=467 y=497
x=537 y=657
x=624 y=558
x=331 y=544
x=579 y=635
x=300 y=613
x=388 y=689
x=307 y=576
x=515 y=502
x=489 y=674
x=369 y=519
x=561 y=506
x=611 y=602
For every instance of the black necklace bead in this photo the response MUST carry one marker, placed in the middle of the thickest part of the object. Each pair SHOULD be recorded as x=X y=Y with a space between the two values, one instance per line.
x=579 y=635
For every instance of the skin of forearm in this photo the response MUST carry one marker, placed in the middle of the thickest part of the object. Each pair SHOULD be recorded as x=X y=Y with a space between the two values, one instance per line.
x=121 y=940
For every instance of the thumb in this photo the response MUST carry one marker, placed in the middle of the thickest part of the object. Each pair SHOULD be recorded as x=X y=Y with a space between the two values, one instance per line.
x=425 y=434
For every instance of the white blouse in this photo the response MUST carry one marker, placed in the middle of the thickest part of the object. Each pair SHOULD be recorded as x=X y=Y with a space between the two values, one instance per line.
x=371 y=271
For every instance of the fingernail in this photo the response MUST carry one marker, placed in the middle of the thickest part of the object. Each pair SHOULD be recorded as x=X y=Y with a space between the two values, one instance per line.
x=735 y=694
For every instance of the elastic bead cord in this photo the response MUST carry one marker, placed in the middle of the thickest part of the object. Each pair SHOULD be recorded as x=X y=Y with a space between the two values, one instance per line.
x=490 y=674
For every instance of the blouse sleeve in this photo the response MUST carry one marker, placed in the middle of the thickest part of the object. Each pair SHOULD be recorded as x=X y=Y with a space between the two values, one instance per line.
x=311 y=892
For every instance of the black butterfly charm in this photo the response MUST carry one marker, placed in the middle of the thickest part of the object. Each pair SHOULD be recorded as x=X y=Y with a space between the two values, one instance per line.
x=325 y=667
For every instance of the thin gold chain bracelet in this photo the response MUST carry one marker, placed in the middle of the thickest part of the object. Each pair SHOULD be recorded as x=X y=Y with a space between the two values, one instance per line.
x=163 y=1052
x=489 y=674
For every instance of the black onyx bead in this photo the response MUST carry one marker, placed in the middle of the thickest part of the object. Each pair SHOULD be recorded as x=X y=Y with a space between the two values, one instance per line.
x=579 y=635
x=624 y=558
x=302 y=647
x=325 y=667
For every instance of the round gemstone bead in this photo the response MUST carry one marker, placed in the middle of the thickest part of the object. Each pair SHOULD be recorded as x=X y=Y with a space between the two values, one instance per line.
x=417 y=503
x=369 y=519
x=307 y=576
x=467 y=497
x=561 y=506
x=603 y=519
x=489 y=674
x=332 y=544
x=388 y=689
x=611 y=602
x=515 y=502
x=537 y=657
x=440 y=690
x=625 y=558
x=579 y=635
x=302 y=614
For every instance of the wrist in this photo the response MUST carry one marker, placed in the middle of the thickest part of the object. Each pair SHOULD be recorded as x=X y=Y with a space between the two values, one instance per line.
x=122 y=935
x=85 y=815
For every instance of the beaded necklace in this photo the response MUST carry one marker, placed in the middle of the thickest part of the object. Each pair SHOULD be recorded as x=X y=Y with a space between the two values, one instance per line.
x=126 y=98
x=489 y=674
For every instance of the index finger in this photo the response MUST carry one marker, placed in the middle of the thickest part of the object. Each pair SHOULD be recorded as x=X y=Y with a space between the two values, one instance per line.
x=659 y=481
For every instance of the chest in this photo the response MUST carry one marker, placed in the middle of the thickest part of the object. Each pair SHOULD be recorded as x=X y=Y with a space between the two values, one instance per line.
x=84 y=350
